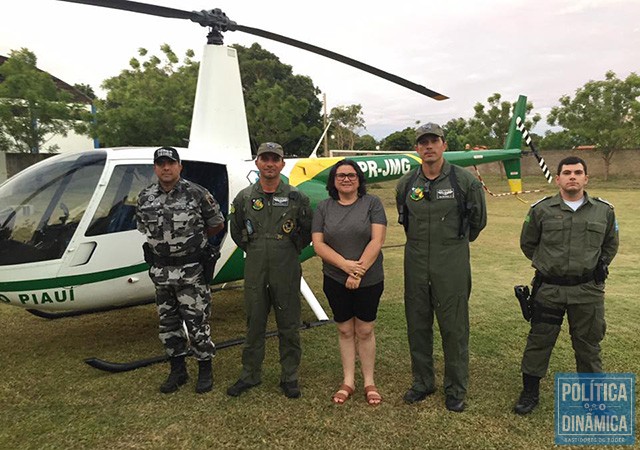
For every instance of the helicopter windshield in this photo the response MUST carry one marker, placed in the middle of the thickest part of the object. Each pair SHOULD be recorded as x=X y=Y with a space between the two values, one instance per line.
x=40 y=209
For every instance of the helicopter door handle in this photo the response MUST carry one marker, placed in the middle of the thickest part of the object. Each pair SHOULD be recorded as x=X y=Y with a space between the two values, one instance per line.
x=82 y=254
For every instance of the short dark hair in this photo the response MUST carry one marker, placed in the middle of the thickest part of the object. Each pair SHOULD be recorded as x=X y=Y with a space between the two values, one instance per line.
x=331 y=182
x=569 y=160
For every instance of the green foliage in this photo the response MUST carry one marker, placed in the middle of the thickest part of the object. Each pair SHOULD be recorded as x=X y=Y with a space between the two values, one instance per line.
x=345 y=121
x=279 y=123
x=32 y=107
x=85 y=89
x=490 y=124
x=559 y=140
x=366 y=142
x=149 y=104
x=281 y=106
x=487 y=128
x=152 y=102
x=604 y=113
x=456 y=130
x=400 y=140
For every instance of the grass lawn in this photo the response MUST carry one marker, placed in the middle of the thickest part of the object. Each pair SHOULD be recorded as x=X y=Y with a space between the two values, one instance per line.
x=50 y=399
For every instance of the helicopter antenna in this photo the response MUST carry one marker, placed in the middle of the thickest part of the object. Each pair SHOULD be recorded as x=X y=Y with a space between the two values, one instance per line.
x=218 y=22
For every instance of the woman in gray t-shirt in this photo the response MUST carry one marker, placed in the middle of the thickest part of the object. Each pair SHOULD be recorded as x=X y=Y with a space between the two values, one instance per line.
x=348 y=232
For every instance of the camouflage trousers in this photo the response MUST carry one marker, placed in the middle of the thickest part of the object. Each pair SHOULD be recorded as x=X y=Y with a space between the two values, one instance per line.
x=190 y=303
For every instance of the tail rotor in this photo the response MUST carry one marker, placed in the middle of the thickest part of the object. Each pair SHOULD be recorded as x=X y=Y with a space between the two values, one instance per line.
x=527 y=139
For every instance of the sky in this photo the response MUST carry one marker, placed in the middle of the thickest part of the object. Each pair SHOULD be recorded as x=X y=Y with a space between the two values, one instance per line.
x=464 y=49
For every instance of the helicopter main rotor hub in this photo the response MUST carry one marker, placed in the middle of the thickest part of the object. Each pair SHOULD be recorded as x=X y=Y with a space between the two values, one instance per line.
x=217 y=21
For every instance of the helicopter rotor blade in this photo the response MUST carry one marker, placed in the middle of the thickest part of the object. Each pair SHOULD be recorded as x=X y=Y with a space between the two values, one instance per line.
x=220 y=22
x=143 y=8
x=341 y=58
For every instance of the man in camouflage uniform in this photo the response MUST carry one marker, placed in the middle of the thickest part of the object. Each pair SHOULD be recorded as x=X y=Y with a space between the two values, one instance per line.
x=442 y=208
x=570 y=239
x=271 y=222
x=177 y=216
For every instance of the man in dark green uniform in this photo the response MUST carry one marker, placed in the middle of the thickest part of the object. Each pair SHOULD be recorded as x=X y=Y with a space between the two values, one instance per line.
x=442 y=208
x=271 y=222
x=570 y=239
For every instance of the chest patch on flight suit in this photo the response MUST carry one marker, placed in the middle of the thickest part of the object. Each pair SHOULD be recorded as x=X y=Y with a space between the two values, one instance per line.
x=417 y=193
x=287 y=227
x=280 y=201
x=257 y=203
x=445 y=193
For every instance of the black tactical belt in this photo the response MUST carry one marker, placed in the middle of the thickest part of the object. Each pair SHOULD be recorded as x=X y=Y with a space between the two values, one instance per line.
x=176 y=260
x=566 y=281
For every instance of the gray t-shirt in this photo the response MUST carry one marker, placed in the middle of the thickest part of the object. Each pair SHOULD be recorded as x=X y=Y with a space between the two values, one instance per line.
x=347 y=230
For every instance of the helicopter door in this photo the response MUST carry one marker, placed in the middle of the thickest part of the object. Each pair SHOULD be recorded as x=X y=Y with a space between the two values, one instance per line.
x=111 y=240
x=110 y=243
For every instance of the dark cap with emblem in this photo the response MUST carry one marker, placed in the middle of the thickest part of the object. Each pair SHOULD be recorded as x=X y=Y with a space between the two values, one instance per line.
x=270 y=147
x=429 y=128
x=166 y=152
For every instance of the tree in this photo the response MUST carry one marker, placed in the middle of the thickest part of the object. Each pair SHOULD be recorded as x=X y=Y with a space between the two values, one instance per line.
x=32 y=107
x=604 y=113
x=456 y=131
x=400 y=140
x=558 y=140
x=490 y=126
x=85 y=90
x=297 y=122
x=345 y=121
x=366 y=142
x=150 y=103
x=280 y=124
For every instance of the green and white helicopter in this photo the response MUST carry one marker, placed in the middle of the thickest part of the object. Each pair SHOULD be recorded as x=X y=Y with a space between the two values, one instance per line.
x=68 y=241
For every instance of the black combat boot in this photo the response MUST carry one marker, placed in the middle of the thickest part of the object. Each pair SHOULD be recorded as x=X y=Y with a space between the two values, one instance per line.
x=205 y=377
x=177 y=377
x=529 y=396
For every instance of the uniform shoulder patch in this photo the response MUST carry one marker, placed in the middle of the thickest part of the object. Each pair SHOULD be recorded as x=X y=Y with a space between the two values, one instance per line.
x=541 y=200
x=604 y=201
x=210 y=199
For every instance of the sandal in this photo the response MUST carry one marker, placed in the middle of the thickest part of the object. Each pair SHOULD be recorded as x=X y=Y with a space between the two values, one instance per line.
x=340 y=397
x=372 y=395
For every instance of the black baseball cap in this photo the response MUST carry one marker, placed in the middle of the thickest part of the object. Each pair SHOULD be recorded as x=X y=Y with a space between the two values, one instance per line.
x=166 y=152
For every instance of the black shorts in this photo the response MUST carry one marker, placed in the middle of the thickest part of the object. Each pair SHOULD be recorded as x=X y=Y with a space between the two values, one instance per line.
x=348 y=303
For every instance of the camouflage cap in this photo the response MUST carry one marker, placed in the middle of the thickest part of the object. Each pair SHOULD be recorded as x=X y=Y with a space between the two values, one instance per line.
x=429 y=128
x=166 y=152
x=270 y=147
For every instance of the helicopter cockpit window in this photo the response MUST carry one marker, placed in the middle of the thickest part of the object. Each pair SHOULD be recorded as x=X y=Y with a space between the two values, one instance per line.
x=117 y=208
x=40 y=208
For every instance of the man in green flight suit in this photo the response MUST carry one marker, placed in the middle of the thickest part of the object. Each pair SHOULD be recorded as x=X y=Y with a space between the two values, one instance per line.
x=271 y=222
x=570 y=239
x=442 y=208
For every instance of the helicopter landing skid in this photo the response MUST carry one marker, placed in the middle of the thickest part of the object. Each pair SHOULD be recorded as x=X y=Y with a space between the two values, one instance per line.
x=116 y=367
x=61 y=315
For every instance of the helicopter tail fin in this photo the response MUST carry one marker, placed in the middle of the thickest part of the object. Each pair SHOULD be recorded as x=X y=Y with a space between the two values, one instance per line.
x=512 y=167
